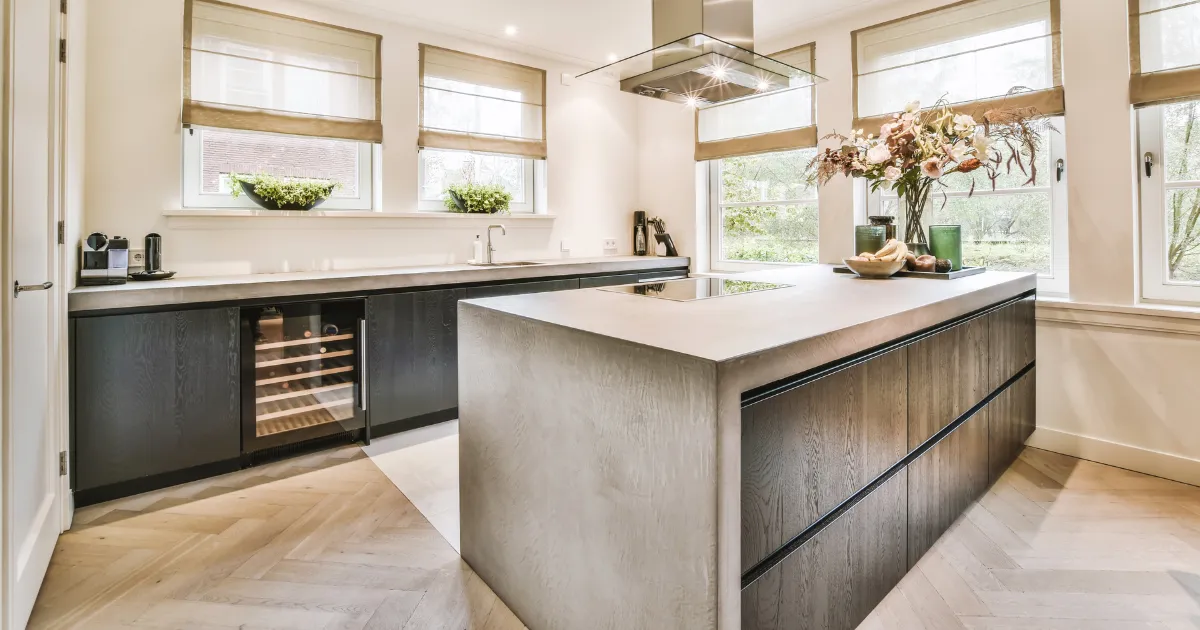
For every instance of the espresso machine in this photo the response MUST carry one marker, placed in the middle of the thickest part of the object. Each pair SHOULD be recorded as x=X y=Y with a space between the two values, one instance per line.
x=104 y=261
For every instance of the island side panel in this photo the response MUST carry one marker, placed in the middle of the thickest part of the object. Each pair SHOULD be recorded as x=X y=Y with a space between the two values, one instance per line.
x=588 y=475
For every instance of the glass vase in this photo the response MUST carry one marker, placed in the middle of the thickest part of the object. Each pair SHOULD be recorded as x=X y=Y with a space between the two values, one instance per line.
x=914 y=201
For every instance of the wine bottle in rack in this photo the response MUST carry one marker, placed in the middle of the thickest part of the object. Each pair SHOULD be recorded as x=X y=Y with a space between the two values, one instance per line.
x=308 y=334
x=329 y=330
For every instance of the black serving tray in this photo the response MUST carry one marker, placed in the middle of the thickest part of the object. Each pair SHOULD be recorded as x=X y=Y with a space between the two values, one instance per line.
x=931 y=275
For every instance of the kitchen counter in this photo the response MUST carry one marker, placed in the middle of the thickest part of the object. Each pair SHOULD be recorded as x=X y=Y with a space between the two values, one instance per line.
x=629 y=462
x=832 y=314
x=183 y=291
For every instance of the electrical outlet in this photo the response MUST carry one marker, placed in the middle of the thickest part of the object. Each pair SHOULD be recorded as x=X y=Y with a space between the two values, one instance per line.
x=137 y=260
x=610 y=244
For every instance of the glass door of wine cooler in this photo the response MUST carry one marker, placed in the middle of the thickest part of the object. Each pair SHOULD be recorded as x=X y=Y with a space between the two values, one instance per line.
x=303 y=372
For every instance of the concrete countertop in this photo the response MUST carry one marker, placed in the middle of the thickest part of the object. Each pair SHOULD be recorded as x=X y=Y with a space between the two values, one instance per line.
x=256 y=286
x=823 y=309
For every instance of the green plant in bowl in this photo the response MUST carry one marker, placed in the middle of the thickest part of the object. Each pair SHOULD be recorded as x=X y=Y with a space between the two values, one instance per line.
x=282 y=193
x=477 y=198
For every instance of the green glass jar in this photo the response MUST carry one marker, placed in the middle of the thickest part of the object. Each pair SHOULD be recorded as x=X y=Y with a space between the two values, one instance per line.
x=945 y=241
x=869 y=239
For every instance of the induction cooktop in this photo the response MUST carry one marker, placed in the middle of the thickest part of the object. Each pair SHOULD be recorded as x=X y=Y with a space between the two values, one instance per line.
x=694 y=289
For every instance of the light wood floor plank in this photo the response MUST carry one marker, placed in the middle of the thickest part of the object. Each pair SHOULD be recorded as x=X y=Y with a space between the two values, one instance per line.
x=326 y=541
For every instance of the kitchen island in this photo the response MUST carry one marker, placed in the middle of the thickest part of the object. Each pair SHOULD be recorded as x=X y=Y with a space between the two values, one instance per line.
x=774 y=459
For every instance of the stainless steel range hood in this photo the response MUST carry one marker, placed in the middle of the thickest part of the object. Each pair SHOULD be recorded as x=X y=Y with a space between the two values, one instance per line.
x=703 y=55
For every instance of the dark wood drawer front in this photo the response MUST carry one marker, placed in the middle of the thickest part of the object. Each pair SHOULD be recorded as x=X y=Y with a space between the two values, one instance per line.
x=1012 y=419
x=412 y=351
x=1013 y=341
x=155 y=393
x=836 y=579
x=608 y=281
x=943 y=482
x=947 y=375
x=542 y=286
x=808 y=450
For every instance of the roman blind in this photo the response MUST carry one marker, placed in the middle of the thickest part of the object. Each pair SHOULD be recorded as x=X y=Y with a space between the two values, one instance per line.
x=972 y=53
x=258 y=71
x=1165 y=52
x=473 y=103
x=776 y=121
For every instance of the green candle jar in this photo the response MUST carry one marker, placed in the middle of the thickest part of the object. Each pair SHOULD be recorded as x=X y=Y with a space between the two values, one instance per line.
x=869 y=239
x=945 y=241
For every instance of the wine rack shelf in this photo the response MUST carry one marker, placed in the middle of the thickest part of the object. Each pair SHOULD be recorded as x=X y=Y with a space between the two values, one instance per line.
x=302 y=342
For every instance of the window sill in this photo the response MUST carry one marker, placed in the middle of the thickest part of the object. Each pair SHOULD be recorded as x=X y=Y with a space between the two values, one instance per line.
x=1161 y=318
x=203 y=218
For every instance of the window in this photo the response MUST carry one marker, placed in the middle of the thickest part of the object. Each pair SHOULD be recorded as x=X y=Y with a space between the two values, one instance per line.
x=482 y=121
x=1171 y=202
x=267 y=93
x=1012 y=228
x=210 y=155
x=974 y=54
x=762 y=210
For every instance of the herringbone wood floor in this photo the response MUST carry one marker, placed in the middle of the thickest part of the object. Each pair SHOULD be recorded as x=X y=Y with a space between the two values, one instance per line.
x=326 y=541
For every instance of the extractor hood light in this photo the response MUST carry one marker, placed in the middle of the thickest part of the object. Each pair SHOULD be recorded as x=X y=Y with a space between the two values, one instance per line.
x=763 y=86
x=718 y=72
x=693 y=102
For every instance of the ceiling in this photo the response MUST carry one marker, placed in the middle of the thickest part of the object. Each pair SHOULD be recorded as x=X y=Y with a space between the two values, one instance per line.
x=587 y=31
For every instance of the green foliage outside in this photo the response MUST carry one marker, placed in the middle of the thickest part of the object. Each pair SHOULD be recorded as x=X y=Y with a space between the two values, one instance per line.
x=284 y=191
x=771 y=232
x=478 y=198
x=1182 y=143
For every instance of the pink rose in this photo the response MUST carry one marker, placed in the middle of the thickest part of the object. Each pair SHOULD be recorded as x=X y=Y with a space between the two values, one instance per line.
x=879 y=154
x=891 y=174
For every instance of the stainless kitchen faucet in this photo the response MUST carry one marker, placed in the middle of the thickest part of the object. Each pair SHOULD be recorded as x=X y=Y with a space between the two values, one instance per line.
x=491 y=250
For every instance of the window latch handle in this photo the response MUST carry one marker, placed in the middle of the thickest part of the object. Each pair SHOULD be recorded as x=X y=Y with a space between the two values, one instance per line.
x=1061 y=167
x=1149 y=161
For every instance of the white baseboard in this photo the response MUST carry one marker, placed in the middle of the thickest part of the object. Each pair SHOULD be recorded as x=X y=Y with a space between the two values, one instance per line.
x=1157 y=463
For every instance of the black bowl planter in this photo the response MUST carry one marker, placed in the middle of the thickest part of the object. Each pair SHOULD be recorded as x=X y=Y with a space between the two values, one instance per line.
x=248 y=188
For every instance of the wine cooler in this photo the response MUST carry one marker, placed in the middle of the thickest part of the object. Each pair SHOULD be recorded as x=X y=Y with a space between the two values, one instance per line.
x=303 y=373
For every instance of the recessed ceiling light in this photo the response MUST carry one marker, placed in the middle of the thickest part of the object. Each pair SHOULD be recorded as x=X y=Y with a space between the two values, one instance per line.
x=763 y=86
x=510 y=30
x=718 y=72
x=612 y=57
x=692 y=102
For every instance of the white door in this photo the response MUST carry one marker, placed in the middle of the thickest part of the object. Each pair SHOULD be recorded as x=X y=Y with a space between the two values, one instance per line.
x=32 y=512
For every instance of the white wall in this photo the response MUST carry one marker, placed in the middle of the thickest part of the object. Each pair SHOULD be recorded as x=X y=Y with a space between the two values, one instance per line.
x=1115 y=394
x=133 y=158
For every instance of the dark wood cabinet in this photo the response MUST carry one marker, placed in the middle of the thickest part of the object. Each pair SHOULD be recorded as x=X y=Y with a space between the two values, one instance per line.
x=154 y=393
x=412 y=357
x=947 y=376
x=944 y=481
x=542 y=286
x=1012 y=341
x=608 y=281
x=1011 y=420
x=837 y=578
x=806 y=451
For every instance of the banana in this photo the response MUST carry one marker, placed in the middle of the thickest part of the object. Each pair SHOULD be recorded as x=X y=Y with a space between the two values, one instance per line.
x=888 y=248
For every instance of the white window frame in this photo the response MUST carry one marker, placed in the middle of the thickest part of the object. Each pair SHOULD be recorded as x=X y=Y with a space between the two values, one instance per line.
x=194 y=197
x=1055 y=283
x=535 y=178
x=1156 y=278
x=715 y=231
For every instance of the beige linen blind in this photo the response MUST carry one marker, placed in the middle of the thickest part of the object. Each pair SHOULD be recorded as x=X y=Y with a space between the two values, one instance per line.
x=1164 y=52
x=776 y=121
x=474 y=103
x=973 y=53
x=258 y=71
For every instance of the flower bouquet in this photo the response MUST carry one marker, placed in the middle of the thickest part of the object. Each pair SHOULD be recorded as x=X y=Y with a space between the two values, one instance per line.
x=915 y=149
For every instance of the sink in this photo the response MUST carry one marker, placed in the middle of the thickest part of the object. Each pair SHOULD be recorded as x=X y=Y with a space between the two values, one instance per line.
x=515 y=263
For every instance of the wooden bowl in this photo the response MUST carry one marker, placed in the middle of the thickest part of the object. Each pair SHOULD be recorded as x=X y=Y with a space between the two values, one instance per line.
x=877 y=270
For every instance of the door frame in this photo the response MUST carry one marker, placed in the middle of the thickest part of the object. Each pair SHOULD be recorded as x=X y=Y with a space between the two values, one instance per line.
x=59 y=271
